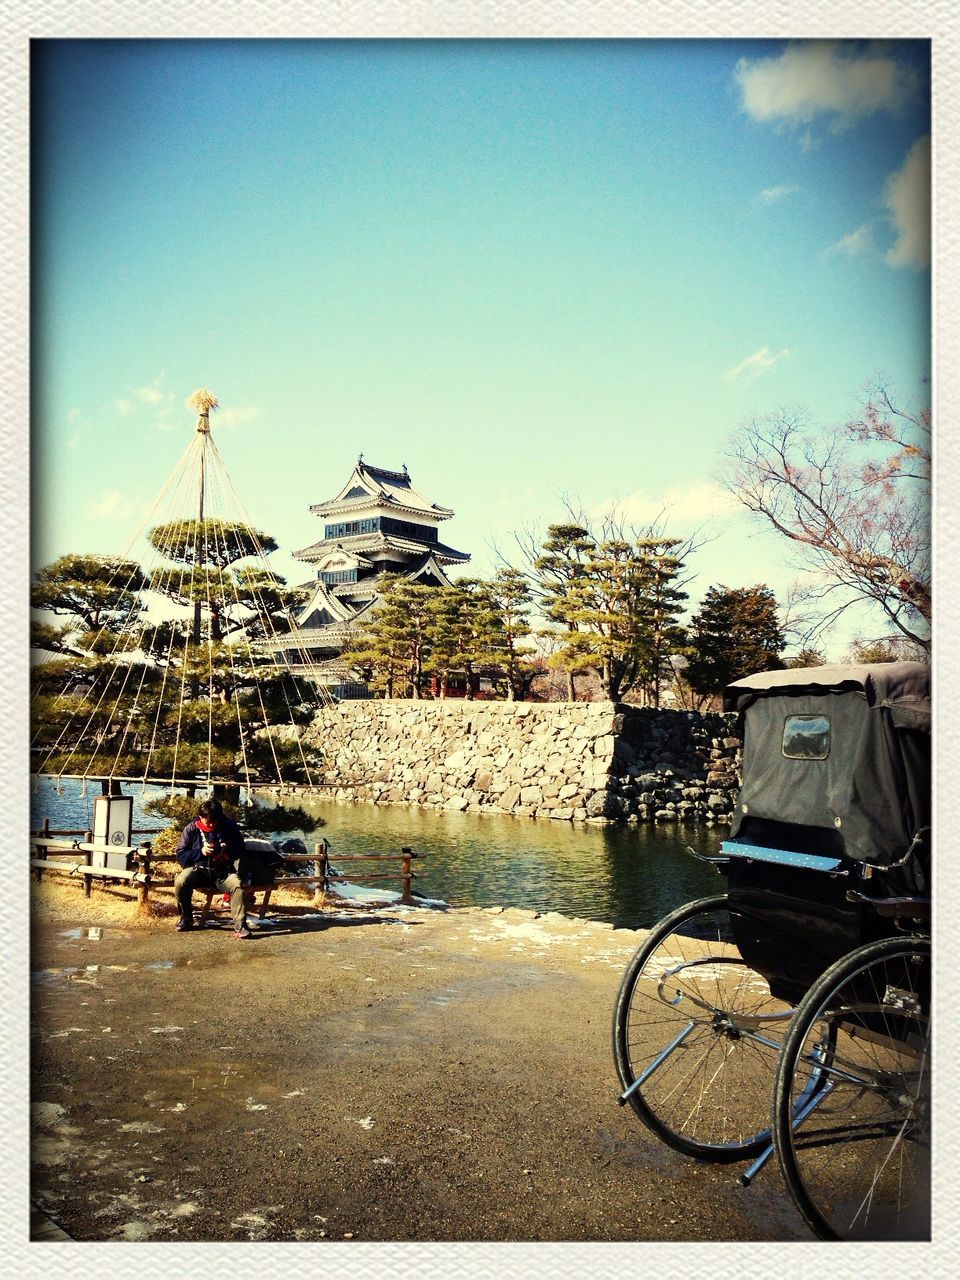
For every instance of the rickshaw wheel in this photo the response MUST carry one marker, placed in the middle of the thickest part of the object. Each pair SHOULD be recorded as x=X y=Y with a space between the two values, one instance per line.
x=696 y=1034
x=856 y=1066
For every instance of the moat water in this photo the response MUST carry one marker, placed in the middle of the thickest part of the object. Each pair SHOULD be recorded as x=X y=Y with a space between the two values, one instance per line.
x=626 y=876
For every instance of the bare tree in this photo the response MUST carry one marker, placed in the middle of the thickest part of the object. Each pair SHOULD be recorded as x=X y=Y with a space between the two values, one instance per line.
x=855 y=502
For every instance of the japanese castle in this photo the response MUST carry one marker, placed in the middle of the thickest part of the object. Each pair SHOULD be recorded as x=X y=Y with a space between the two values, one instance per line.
x=377 y=524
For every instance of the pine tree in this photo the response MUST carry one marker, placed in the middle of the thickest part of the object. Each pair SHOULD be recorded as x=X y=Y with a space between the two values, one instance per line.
x=735 y=633
x=205 y=554
x=557 y=581
x=170 y=698
x=619 y=602
x=96 y=593
x=511 y=596
x=392 y=644
x=659 y=605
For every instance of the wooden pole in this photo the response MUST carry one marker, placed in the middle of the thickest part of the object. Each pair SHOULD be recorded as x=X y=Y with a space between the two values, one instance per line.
x=320 y=890
x=204 y=428
x=143 y=865
x=407 y=874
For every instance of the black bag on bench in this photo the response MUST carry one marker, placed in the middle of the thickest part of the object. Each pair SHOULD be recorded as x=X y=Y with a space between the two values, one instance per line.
x=259 y=863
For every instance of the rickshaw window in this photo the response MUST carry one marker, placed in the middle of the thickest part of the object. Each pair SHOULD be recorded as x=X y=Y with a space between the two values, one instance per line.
x=806 y=737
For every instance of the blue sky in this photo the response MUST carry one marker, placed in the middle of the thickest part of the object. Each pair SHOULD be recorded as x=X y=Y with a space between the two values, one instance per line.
x=528 y=270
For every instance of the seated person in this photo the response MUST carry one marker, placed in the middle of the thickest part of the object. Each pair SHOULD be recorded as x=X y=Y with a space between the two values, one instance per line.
x=208 y=848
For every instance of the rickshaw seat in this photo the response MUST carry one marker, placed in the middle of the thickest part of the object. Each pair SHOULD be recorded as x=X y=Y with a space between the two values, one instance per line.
x=784 y=857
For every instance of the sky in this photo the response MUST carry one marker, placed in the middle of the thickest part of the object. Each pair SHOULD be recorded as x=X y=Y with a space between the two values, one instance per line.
x=534 y=272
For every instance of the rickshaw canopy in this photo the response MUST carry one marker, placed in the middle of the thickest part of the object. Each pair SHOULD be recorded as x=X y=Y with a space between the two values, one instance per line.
x=844 y=748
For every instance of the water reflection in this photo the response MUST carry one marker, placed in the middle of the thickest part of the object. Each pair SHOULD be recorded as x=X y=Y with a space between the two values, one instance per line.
x=628 y=876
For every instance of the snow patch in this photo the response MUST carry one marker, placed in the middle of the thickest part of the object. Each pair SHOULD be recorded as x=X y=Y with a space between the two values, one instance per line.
x=47 y=1114
x=133 y=1231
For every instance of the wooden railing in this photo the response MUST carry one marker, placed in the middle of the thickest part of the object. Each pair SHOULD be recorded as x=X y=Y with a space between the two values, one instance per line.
x=76 y=858
x=49 y=852
x=406 y=856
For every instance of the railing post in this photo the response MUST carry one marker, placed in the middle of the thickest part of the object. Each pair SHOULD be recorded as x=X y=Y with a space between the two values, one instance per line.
x=143 y=865
x=320 y=890
x=87 y=879
x=46 y=829
x=407 y=875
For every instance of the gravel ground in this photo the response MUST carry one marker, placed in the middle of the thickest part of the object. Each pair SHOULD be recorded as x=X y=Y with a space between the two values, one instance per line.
x=381 y=1074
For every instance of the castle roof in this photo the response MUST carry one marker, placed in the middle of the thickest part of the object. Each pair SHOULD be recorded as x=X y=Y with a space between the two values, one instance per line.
x=376 y=486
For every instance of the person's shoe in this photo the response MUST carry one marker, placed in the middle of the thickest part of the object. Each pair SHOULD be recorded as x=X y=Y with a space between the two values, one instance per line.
x=183 y=925
x=243 y=933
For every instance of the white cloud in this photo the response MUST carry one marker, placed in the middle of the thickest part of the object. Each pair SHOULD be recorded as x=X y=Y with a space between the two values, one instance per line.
x=755 y=366
x=681 y=509
x=111 y=505
x=124 y=407
x=235 y=417
x=854 y=243
x=907 y=196
x=771 y=195
x=821 y=77
x=151 y=393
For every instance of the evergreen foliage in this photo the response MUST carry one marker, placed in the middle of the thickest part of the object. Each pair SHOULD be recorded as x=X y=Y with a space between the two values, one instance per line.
x=417 y=637
x=94 y=592
x=618 y=604
x=513 y=658
x=204 y=553
x=807 y=657
x=392 y=644
x=557 y=576
x=735 y=633
x=134 y=696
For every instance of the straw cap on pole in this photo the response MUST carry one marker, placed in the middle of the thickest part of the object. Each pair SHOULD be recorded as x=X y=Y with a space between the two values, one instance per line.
x=203 y=401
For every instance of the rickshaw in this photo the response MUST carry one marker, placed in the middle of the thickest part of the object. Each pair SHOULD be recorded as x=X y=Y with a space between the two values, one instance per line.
x=791 y=1014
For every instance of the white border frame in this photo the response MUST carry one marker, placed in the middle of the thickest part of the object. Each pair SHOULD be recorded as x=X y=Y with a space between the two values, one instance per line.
x=22 y=21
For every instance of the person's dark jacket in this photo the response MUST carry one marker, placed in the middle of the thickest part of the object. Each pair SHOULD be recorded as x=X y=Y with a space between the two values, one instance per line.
x=225 y=837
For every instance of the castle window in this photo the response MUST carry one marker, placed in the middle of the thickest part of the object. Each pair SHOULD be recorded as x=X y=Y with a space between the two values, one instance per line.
x=407 y=529
x=351 y=528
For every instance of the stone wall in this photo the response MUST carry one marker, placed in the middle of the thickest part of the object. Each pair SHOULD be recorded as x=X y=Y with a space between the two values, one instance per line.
x=591 y=762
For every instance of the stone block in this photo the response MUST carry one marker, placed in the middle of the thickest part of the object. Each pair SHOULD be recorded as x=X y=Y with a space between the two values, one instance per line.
x=510 y=797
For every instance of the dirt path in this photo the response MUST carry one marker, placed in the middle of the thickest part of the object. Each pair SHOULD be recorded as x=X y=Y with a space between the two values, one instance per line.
x=380 y=1075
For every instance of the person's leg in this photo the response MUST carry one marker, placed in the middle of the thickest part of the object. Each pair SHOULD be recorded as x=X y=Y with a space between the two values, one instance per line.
x=231 y=884
x=183 y=887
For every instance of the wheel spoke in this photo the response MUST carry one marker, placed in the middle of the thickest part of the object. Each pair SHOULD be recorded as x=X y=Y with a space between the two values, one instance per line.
x=858 y=1165
x=709 y=1095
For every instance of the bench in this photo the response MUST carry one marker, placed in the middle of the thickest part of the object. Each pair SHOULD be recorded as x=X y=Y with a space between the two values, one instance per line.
x=265 y=889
